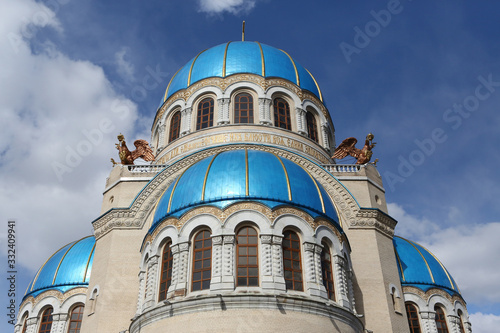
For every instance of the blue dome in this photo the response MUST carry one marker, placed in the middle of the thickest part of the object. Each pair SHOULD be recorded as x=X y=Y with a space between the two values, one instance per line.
x=244 y=175
x=418 y=267
x=242 y=57
x=66 y=269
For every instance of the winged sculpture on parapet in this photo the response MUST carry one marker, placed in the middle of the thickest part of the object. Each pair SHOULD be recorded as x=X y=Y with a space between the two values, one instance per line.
x=128 y=157
x=347 y=147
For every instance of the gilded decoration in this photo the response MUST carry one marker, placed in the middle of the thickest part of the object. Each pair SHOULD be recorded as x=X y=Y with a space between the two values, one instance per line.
x=223 y=83
x=426 y=295
x=363 y=155
x=56 y=294
x=136 y=215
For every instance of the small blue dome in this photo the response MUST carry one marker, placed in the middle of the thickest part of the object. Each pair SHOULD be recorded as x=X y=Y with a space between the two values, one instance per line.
x=242 y=57
x=66 y=269
x=244 y=175
x=418 y=267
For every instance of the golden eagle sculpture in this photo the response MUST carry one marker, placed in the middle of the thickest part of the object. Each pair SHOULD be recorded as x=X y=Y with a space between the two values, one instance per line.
x=347 y=147
x=128 y=157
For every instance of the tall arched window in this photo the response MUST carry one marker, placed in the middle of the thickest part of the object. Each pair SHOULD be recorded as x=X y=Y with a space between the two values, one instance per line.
x=282 y=114
x=25 y=323
x=291 y=261
x=440 y=320
x=327 y=272
x=243 y=109
x=205 y=113
x=312 y=129
x=248 y=264
x=166 y=271
x=202 y=261
x=412 y=314
x=46 y=322
x=461 y=321
x=175 y=126
x=75 y=321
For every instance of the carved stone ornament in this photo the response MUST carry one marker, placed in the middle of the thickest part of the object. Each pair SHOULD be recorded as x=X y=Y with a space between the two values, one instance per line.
x=136 y=216
x=425 y=295
x=54 y=293
x=374 y=218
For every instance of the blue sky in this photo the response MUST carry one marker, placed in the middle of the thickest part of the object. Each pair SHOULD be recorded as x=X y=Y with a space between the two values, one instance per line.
x=423 y=76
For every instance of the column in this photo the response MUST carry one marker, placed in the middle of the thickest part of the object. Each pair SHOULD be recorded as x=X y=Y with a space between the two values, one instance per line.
x=324 y=133
x=312 y=269
x=151 y=282
x=186 y=121
x=341 y=282
x=266 y=260
x=265 y=111
x=228 y=261
x=59 y=323
x=223 y=111
x=31 y=324
x=215 y=282
x=301 y=121
x=180 y=253
x=161 y=138
x=142 y=286
x=428 y=322
x=277 y=255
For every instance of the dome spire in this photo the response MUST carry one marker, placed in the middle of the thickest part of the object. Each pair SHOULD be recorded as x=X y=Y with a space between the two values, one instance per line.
x=243 y=32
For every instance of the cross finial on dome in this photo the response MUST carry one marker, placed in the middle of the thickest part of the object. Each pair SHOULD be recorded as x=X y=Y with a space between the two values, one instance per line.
x=243 y=32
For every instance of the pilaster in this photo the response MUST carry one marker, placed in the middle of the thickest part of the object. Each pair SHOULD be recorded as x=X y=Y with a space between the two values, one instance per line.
x=142 y=291
x=151 y=281
x=313 y=269
x=265 y=111
x=223 y=111
x=324 y=134
x=59 y=323
x=301 y=121
x=428 y=322
x=228 y=260
x=180 y=253
x=186 y=121
x=31 y=325
x=342 y=286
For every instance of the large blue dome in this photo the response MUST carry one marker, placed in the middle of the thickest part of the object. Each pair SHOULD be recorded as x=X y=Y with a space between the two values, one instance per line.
x=418 y=267
x=244 y=175
x=242 y=57
x=66 y=269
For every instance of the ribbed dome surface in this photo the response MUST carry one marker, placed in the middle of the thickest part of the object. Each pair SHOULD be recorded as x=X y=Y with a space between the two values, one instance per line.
x=420 y=268
x=66 y=269
x=244 y=175
x=242 y=57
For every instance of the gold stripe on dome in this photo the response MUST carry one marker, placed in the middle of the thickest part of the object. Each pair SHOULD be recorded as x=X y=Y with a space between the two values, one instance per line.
x=206 y=176
x=191 y=69
x=294 y=67
x=426 y=263
x=224 y=61
x=246 y=172
x=317 y=85
x=166 y=91
x=46 y=261
x=287 y=179
x=444 y=269
x=64 y=256
x=262 y=59
x=173 y=190
x=88 y=262
x=317 y=188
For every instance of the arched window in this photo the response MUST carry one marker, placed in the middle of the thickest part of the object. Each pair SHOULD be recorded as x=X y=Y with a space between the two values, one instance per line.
x=25 y=323
x=166 y=271
x=282 y=114
x=248 y=265
x=440 y=320
x=291 y=261
x=412 y=314
x=75 y=321
x=461 y=321
x=175 y=126
x=312 y=129
x=243 y=109
x=205 y=113
x=202 y=260
x=327 y=272
x=46 y=323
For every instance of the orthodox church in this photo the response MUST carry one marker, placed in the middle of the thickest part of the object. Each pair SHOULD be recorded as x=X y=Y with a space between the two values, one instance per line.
x=243 y=222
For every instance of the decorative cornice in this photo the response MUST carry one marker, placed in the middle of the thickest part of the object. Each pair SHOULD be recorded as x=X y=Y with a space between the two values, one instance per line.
x=426 y=295
x=61 y=297
x=368 y=218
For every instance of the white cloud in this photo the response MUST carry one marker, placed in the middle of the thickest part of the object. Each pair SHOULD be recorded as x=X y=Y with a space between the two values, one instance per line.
x=484 y=323
x=469 y=252
x=221 y=6
x=124 y=67
x=60 y=118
